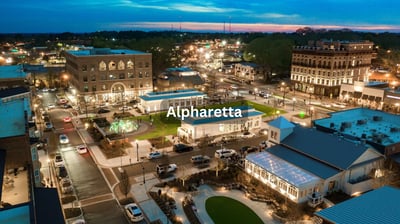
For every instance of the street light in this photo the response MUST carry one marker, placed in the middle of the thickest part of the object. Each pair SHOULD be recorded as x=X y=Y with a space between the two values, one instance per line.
x=137 y=150
x=284 y=92
x=310 y=90
x=255 y=93
x=311 y=114
x=294 y=101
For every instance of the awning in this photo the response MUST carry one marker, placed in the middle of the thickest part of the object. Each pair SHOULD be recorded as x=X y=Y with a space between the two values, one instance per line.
x=371 y=98
x=364 y=97
x=378 y=99
x=357 y=94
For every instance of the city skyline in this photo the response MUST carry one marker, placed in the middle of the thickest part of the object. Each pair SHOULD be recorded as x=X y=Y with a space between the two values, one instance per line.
x=45 y=16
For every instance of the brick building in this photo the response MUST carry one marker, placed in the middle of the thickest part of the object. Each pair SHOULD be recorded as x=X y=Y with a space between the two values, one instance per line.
x=320 y=68
x=108 y=75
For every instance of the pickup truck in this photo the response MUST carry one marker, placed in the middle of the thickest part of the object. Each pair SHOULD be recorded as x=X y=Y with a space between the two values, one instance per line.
x=166 y=168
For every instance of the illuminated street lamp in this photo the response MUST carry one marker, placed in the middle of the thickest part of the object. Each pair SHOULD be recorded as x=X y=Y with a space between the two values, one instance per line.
x=255 y=93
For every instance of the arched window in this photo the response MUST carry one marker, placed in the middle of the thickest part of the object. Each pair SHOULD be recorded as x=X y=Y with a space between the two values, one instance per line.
x=121 y=65
x=102 y=66
x=129 y=65
x=112 y=65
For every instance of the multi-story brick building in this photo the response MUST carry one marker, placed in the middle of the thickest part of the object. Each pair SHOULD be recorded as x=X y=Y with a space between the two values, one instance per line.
x=320 y=68
x=248 y=72
x=109 y=75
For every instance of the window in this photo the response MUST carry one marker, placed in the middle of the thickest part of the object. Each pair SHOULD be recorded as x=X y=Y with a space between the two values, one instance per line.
x=292 y=191
x=146 y=74
x=140 y=65
x=140 y=75
x=86 y=88
x=103 y=77
x=92 y=68
x=129 y=64
x=85 y=78
x=112 y=66
x=131 y=75
x=93 y=88
x=102 y=66
x=121 y=65
x=147 y=84
x=121 y=75
x=112 y=76
x=93 y=78
x=84 y=68
x=146 y=64
x=132 y=86
x=104 y=87
x=140 y=85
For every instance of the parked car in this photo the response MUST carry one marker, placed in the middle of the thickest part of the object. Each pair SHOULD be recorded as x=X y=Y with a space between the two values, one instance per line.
x=133 y=212
x=182 y=148
x=63 y=139
x=125 y=108
x=48 y=126
x=51 y=106
x=103 y=111
x=199 y=159
x=67 y=106
x=166 y=168
x=339 y=105
x=248 y=149
x=58 y=160
x=81 y=149
x=263 y=144
x=224 y=153
x=247 y=134
x=67 y=119
x=66 y=186
x=154 y=155
x=61 y=172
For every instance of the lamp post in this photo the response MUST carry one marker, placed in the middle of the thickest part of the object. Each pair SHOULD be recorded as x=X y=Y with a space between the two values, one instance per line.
x=311 y=114
x=255 y=93
x=284 y=92
x=144 y=176
x=294 y=101
x=137 y=150
x=311 y=89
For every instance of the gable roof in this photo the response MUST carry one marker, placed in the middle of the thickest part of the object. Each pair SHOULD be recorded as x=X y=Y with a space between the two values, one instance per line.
x=313 y=166
x=281 y=123
x=378 y=206
x=328 y=148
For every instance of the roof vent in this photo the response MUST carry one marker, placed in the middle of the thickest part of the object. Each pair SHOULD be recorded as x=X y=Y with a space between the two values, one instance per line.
x=377 y=118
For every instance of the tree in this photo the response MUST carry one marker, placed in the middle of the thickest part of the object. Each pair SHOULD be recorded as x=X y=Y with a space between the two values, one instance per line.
x=272 y=52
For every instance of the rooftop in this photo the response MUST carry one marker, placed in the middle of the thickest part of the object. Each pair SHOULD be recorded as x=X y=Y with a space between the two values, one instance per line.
x=373 y=125
x=104 y=51
x=285 y=170
x=327 y=148
x=171 y=94
x=12 y=72
x=378 y=206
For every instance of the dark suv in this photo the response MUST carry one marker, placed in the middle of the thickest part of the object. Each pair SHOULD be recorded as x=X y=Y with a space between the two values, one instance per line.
x=182 y=148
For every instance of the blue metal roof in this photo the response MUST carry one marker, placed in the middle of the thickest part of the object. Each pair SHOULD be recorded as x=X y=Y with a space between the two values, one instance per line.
x=283 y=169
x=12 y=72
x=329 y=148
x=378 y=206
x=170 y=95
x=104 y=51
x=206 y=120
x=313 y=166
x=281 y=123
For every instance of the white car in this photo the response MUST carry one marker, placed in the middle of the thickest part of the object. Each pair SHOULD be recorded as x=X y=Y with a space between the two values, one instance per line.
x=64 y=139
x=166 y=168
x=66 y=186
x=51 y=106
x=81 y=149
x=58 y=160
x=154 y=155
x=133 y=212
x=247 y=134
x=125 y=108
x=224 y=153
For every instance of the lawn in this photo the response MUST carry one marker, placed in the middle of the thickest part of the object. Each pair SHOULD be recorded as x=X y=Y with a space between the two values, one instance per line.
x=227 y=210
x=162 y=124
x=267 y=110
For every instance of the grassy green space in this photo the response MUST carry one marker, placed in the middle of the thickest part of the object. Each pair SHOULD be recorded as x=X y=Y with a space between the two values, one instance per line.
x=227 y=210
x=162 y=124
